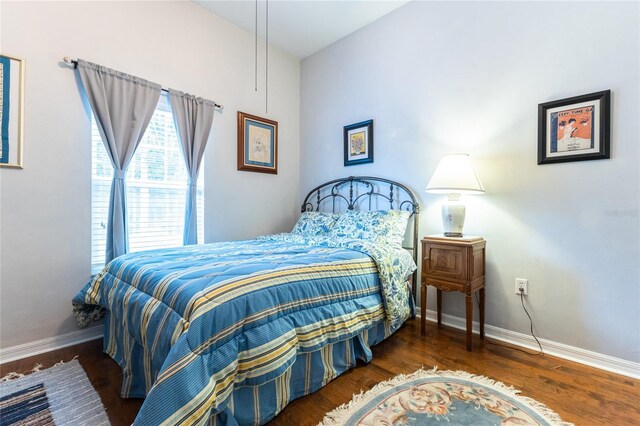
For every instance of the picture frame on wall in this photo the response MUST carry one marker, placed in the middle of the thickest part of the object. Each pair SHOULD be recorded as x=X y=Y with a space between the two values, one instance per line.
x=574 y=129
x=358 y=143
x=257 y=144
x=12 y=71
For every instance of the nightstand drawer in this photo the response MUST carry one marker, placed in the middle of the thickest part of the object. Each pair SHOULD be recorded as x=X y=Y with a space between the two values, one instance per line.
x=447 y=285
x=444 y=261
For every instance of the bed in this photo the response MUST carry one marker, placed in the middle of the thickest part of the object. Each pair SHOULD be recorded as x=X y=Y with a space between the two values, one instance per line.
x=229 y=333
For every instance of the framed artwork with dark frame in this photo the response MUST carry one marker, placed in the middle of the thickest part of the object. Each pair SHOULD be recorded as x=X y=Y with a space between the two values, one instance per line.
x=358 y=143
x=257 y=144
x=574 y=129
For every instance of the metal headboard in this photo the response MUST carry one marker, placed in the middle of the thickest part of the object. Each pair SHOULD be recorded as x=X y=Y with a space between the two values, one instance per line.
x=367 y=193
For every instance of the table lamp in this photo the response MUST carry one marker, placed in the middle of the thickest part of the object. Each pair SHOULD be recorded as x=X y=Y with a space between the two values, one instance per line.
x=455 y=176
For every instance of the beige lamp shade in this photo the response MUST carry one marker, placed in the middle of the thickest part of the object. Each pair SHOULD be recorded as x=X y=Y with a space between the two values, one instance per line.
x=455 y=174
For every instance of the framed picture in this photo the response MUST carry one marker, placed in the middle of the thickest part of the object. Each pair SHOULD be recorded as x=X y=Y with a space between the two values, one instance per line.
x=257 y=144
x=358 y=143
x=574 y=129
x=11 y=110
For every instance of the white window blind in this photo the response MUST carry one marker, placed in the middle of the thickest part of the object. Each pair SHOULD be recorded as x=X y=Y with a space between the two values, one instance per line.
x=156 y=190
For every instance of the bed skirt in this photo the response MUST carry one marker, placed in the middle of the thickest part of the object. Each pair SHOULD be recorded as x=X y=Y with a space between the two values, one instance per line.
x=247 y=405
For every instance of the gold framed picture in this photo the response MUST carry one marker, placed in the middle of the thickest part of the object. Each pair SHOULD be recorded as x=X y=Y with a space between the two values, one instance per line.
x=257 y=144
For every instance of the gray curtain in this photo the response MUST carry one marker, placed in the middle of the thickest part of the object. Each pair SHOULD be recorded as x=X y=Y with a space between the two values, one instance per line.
x=123 y=106
x=193 y=118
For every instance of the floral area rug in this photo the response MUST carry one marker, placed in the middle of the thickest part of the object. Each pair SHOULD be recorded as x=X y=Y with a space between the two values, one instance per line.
x=60 y=395
x=441 y=397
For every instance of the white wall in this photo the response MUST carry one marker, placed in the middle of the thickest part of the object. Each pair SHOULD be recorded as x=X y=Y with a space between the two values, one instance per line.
x=45 y=208
x=441 y=77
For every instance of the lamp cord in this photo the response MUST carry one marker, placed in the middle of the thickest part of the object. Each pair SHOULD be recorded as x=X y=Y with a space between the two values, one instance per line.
x=541 y=353
x=530 y=321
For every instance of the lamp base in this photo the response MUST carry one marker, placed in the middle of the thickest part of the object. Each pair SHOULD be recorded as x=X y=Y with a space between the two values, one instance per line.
x=453 y=213
x=453 y=234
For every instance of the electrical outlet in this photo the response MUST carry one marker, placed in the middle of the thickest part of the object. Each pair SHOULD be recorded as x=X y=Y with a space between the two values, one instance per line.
x=522 y=286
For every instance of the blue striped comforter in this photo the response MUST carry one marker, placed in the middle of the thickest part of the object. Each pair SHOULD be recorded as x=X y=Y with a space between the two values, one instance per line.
x=215 y=317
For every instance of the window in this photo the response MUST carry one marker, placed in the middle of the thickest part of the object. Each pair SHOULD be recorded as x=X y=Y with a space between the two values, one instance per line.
x=156 y=189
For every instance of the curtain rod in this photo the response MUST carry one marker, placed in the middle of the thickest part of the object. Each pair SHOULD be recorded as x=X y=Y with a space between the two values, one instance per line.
x=74 y=62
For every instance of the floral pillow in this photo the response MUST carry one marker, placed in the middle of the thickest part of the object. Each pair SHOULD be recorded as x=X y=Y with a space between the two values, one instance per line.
x=382 y=227
x=314 y=223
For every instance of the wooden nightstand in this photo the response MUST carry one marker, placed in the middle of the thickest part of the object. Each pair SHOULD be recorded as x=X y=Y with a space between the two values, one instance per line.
x=453 y=264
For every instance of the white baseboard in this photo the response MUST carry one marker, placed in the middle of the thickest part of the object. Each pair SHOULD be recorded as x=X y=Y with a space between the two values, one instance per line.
x=571 y=353
x=50 y=344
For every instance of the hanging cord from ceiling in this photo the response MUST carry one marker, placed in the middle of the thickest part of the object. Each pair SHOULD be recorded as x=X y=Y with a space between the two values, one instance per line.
x=266 y=54
x=266 y=61
x=255 y=50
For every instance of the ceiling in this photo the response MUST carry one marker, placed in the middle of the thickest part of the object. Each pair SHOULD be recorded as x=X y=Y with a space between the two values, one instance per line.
x=302 y=27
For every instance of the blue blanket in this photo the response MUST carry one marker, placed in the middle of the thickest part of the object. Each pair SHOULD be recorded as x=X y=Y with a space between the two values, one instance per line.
x=206 y=319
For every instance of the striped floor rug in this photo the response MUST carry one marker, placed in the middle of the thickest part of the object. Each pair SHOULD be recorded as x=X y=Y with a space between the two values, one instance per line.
x=60 y=395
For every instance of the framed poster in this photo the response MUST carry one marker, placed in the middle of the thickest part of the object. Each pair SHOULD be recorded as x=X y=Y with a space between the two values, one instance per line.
x=257 y=144
x=358 y=143
x=11 y=110
x=574 y=129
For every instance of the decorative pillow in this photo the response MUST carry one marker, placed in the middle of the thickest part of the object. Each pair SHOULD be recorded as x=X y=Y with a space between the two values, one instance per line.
x=382 y=227
x=314 y=223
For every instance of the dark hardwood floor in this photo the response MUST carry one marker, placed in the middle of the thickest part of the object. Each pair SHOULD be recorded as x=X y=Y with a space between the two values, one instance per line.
x=580 y=394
